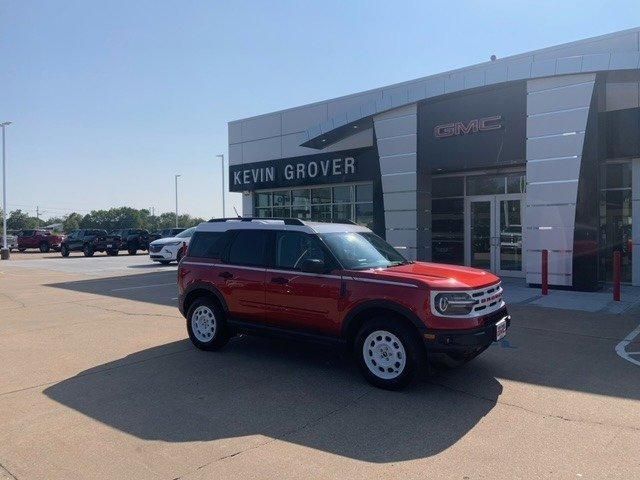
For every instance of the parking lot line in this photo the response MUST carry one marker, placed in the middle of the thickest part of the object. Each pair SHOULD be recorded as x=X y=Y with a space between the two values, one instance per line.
x=620 y=348
x=143 y=286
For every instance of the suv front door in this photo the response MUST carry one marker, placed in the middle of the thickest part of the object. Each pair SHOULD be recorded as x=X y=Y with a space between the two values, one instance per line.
x=298 y=299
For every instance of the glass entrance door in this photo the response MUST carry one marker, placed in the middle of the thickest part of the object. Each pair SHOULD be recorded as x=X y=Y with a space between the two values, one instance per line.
x=494 y=233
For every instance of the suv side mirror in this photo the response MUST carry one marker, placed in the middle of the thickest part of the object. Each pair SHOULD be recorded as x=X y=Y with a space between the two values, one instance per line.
x=312 y=265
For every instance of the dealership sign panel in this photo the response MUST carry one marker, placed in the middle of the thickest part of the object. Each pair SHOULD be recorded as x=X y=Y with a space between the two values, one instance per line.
x=474 y=130
x=341 y=167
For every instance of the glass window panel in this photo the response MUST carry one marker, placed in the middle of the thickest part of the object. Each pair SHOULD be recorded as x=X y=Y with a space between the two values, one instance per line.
x=248 y=248
x=321 y=213
x=364 y=214
x=447 y=187
x=321 y=195
x=262 y=199
x=510 y=235
x=342 y=212
x=516 y=184
x=342 y=194
x=207 y=244
x=263 y=212
x=616 y=231
x=618 y=175
x=480 y=220
x=300 y=198
x=447 y=224
x=282 y=212
x=292 y=248
x=485 y=185
x=364 y=193
x=281 y=198
x=300 y=212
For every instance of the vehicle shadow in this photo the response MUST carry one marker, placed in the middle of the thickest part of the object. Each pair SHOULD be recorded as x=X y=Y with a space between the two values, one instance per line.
x=157 y=287
x=302 y=394
x=146 y=266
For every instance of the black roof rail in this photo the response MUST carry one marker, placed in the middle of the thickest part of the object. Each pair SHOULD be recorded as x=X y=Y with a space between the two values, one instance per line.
x=287 y=221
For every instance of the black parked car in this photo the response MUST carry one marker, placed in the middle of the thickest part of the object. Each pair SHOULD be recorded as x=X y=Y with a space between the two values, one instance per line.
x=88 y=241
x=129 y=239
x=170 y=232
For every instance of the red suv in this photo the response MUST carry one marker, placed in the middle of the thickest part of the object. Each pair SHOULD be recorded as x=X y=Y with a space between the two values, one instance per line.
x=340 y=284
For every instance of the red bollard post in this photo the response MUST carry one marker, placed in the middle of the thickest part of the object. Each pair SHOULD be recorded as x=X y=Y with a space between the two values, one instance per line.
x=545 y=272
x=616 y=276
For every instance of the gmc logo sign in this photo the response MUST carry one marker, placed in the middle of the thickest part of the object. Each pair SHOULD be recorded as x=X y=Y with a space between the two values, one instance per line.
x=494 y=122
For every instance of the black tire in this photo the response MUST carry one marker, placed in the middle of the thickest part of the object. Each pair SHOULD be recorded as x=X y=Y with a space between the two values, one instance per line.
x=64 y=250
x=88 y=251
x=44 y=247
x=220 y=335
x=414 y=352
x=112 y=253
x=179 y=255
x=21 y=250
x=132 y=250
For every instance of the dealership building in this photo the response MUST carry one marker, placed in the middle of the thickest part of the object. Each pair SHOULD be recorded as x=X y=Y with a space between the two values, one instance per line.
x=485 y=166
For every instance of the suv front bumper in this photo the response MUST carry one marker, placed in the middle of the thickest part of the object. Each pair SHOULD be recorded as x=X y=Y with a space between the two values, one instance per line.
x=466 y=342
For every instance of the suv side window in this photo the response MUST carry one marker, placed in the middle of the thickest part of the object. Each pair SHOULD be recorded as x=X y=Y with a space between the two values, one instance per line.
x=208 y=244
x=294 y=247
x=248 y=247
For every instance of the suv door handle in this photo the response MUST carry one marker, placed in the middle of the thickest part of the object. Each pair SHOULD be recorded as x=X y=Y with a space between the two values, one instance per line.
x=280 y=280
x=226 y=275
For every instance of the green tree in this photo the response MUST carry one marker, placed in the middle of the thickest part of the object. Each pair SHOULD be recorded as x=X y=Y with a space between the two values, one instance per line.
x=72 y=222
x=19 y=220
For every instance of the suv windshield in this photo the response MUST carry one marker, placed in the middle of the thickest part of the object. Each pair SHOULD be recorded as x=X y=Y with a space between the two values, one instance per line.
x=186 y=233
x=362 y=250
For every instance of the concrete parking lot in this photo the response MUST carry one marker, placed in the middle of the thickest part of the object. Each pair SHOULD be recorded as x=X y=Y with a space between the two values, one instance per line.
x=99 y=380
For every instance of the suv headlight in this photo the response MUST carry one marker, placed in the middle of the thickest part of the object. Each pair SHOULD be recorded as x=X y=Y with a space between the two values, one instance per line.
x=453 y=304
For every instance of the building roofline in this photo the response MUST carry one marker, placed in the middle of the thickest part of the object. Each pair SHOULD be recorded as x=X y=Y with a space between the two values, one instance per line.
x=498 y=61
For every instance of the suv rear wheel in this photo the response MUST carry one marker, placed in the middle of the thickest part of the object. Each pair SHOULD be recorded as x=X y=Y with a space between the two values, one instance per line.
x=64 y=250
x=88 y=251
x=45 y=247
x=206 y=325
x=389 y=353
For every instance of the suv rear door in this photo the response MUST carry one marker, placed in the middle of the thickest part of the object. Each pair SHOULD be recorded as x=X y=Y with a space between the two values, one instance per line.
x=298 y=299
x=241 y=277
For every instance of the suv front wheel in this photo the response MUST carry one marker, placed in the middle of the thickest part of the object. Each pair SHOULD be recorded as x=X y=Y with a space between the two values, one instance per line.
x=389 y=353
x=206 y=326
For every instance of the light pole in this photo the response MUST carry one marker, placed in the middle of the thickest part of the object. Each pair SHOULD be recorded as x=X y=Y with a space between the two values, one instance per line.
x=176 y=178
x=4 y=254
x=221 y=157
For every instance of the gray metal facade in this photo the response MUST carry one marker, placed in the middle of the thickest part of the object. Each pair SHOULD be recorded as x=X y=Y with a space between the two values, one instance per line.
x=560 y=83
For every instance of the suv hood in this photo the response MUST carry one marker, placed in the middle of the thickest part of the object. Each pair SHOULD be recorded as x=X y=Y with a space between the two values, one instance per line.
x=437 y=275
x=164 y=241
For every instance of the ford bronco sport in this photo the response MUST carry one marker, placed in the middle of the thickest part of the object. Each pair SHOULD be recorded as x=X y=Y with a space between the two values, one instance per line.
x=336 y=283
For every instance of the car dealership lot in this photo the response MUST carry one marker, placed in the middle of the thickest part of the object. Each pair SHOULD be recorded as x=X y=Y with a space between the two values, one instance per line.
x=99 y=380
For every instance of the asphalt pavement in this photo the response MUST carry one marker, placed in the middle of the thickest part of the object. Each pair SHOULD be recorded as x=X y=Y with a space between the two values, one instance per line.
x=99 y=380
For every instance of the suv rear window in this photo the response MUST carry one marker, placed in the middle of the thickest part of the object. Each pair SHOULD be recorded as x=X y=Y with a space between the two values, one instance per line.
x=249 y=247
x=208 y=244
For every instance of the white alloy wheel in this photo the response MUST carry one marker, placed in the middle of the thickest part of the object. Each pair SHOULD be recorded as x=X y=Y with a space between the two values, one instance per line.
x=203 y=323
x=384 y=354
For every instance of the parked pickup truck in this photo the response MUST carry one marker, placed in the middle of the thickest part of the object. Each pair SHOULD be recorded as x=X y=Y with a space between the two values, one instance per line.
x=129 y=239
x=87 y=241
x=43 y=240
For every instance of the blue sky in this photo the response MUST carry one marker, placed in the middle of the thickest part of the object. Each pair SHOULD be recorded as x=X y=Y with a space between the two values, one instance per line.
x=110 y=99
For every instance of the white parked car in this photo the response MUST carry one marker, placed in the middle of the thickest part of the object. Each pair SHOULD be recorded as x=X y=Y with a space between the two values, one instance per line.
x=171 y=249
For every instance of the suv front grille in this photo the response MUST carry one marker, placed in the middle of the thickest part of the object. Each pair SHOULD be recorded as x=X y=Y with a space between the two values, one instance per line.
x=155 y=248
